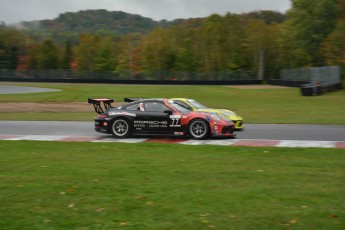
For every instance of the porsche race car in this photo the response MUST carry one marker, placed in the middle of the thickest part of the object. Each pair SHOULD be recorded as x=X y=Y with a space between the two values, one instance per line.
x=158 y=116
x=196 y=106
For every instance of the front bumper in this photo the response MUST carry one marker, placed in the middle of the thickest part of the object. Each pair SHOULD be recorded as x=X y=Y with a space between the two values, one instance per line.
x=223 y=131
x=238 y=124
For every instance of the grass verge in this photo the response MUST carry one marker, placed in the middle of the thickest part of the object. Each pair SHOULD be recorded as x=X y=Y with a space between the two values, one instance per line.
x=52 y=185
x=255 y=105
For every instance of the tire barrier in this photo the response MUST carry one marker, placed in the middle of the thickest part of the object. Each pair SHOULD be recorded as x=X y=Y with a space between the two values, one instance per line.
x=308 y=88
x=318 y=88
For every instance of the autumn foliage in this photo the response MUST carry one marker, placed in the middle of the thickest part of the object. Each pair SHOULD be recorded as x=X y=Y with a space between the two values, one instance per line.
x=257 y=43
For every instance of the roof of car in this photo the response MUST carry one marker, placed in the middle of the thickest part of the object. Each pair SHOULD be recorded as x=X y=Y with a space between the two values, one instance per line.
x=146 y=100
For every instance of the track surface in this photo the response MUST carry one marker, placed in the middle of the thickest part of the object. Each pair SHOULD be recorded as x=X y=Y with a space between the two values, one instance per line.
x=6 y=89
x=253 y=135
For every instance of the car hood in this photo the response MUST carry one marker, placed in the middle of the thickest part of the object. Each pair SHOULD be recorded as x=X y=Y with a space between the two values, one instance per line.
x=223 y=112
x=211 y=115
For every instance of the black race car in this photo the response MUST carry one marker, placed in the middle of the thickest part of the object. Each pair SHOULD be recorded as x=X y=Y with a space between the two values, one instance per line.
x=157 y=116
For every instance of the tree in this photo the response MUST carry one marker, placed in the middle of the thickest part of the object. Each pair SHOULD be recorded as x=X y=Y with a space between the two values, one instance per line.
x=12 y=44
x=307 y=26
x=48 y=57
x=235 y=44
x=213 y=43
x=128 y=53
x=333 y=48
x=105 y=55
x=33 y=56
x=67 y=56
x=43 y=56
x=260 y=40
x=157 y=53
x=86 y=52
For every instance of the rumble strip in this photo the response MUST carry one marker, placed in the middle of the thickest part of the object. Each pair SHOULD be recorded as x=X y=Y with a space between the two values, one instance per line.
x=224 y=142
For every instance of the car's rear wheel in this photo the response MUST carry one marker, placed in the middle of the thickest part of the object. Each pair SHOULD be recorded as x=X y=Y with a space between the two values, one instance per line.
x=121 y=128
x=199 y=129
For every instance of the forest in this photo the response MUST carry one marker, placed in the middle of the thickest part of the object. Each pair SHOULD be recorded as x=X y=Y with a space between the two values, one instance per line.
x=104 y=44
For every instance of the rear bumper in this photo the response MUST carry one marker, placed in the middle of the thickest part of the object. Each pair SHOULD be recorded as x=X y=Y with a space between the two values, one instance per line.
x=102 y=126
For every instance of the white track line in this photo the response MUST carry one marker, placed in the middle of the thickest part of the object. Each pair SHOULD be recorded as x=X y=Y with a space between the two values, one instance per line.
x=305 y=144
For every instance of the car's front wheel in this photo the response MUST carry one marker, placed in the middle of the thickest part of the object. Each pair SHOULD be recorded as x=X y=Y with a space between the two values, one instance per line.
x=120 y=128
x=199 y=129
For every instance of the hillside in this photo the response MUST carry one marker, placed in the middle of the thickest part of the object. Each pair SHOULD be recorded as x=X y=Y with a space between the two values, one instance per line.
x=117 y=22
x=93 y=21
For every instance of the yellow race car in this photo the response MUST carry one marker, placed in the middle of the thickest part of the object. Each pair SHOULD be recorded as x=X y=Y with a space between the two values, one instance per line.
x=196 y=106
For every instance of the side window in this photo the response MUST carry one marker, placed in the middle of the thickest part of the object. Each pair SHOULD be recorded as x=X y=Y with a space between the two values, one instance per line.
x=133 y=107
x=183 y=104
x=155 y=107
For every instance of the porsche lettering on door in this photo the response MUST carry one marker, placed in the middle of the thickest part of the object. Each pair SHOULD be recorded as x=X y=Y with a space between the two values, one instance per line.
x=150 y=124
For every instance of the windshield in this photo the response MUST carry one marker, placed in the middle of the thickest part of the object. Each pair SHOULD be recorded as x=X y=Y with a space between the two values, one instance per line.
x=197 y=105
x=178 y=107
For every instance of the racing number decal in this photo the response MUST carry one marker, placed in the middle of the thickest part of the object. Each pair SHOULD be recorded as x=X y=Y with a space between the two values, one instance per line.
x=175 y=120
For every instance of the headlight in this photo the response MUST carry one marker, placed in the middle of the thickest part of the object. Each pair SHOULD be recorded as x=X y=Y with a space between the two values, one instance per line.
x=217 y=117
x=229 y=113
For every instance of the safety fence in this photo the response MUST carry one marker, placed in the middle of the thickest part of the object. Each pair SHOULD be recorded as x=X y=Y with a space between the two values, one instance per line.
x=111 y=77
x=129 y=75
x=329 y=74
x=313 y=81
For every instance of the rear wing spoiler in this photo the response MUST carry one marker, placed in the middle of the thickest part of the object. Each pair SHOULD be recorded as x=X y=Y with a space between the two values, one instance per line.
x=101 y=104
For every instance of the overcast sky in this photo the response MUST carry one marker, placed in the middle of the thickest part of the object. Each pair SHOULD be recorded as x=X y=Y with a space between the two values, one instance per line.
x=12 y=11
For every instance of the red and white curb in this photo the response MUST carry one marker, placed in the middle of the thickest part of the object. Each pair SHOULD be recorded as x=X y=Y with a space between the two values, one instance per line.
x=224 y=142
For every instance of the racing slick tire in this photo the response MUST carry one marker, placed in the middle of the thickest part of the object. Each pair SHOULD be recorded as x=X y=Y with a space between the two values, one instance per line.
x=199 y=129
x=121 y=128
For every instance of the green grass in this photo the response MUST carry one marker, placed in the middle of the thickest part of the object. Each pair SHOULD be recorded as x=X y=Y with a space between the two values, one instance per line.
x=51 y=185
x=255 y=105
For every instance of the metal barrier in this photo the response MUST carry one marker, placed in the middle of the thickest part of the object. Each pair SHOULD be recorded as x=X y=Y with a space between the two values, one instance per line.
x=127 y=77
x=329 y=74
x=130 y=75
x=313 y=81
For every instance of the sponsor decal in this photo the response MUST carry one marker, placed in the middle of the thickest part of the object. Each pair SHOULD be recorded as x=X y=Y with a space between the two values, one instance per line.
x=175 y=120
x=175 y=116
x=178 y=133
x=122 y=113
x=150 y=124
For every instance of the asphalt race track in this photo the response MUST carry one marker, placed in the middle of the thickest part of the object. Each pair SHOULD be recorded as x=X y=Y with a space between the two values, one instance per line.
x=280 y=135
x=6 y=89
x=253 y=135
